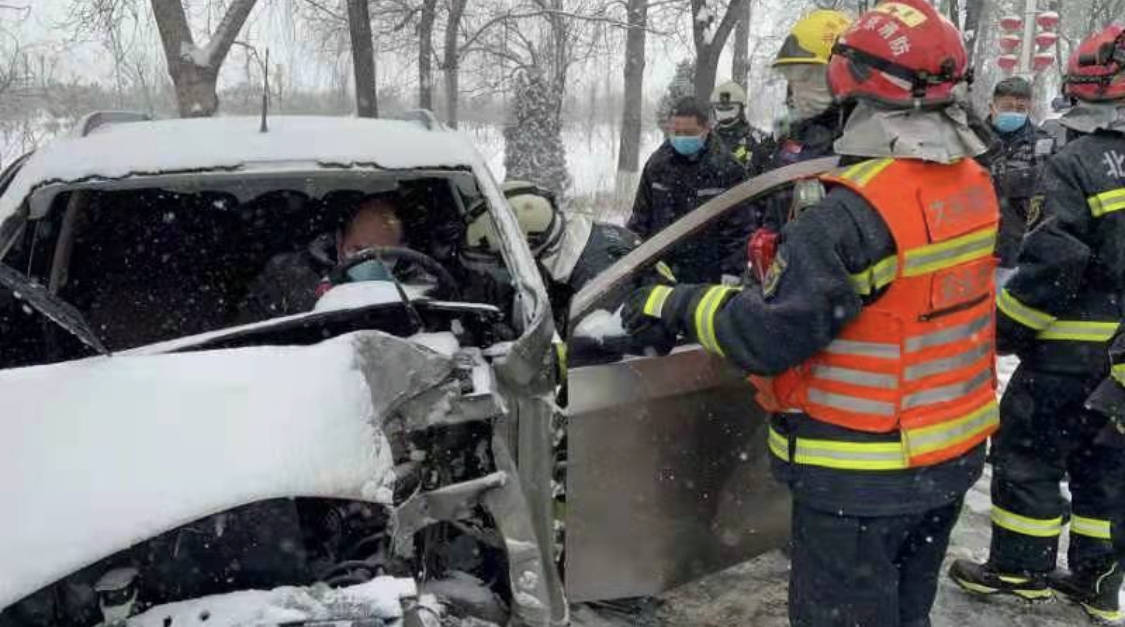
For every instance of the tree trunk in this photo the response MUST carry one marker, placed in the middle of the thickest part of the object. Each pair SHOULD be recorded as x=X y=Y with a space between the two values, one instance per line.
x=710 y=38
x=973 y=11
x=194 y=70
x=632 y=106
x=363 y=58
x=740 y=62
x=452 y=61
x=628 y=156
x=426 y=54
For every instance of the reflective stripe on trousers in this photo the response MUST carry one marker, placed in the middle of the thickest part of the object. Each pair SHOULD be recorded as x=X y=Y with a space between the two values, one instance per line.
x=1025 y=525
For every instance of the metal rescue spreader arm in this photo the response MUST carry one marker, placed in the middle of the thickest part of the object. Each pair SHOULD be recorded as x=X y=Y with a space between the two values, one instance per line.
x=649 y=252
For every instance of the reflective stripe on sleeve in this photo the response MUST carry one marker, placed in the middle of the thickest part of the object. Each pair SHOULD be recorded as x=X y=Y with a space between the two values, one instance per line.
x=1037 y=527
x=654 y=304
x=946 y=392
x=1079 y=331
x=1107 y=202
x=947 y=254
x=947 y=434
x=855 y=377
x=1090 y=527
x=945 y=336
x=1027 y=316
x=1118 y=373
x=853 y=404
x=876 y=277
x=705 y=313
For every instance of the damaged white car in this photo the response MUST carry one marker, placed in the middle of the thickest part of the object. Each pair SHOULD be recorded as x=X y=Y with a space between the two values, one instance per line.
x=390 y=453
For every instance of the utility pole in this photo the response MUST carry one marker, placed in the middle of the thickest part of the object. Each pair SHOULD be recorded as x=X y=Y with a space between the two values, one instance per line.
x=1029 y=11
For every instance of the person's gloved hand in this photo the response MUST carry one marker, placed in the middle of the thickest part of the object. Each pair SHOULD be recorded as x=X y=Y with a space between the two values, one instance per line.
x=655 y=304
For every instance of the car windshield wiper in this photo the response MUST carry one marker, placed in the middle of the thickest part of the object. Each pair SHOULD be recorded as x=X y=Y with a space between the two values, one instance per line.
x=54 y=308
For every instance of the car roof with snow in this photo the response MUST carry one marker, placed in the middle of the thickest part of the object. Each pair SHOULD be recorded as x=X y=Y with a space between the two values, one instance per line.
x=117 y=151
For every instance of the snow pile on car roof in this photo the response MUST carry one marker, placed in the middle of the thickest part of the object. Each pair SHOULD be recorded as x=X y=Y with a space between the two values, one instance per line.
x=135 y=148
x=132 y=446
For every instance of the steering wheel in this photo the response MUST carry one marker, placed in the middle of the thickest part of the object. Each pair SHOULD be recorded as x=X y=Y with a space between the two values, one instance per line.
x=447 y=285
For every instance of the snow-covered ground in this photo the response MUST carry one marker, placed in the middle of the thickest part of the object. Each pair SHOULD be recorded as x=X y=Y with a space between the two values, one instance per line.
x=754 y=593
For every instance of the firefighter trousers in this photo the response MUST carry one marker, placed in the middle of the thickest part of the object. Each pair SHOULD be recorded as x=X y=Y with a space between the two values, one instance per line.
x=858 y=571
x=1046 y=436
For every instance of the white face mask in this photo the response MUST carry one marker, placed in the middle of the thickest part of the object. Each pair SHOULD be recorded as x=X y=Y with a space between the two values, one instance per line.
x=727 y=113
x=809 y=86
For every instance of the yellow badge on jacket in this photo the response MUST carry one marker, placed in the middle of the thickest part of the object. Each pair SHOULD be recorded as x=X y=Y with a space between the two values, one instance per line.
x=773 y=275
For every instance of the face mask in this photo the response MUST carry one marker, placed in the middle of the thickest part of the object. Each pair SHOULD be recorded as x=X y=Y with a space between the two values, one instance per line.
x=1009 y=121
x=687 y=145
x=370 y=270
x=809 y=92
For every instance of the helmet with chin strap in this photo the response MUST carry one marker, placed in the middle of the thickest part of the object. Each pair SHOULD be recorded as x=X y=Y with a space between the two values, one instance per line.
x=1096 y=70
x=535 y=210
x=900 y=54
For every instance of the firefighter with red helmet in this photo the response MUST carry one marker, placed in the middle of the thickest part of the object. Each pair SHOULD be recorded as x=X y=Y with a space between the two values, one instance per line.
x=1058 y=312
x=874 y=326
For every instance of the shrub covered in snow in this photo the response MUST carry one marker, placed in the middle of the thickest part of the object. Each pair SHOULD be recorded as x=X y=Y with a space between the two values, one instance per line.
x=533 y=135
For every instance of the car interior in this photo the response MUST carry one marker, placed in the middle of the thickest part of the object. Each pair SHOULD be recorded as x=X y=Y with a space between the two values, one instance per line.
x=152 y=264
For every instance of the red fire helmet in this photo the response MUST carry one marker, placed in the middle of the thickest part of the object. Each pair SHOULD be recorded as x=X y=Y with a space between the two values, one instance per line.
x=1096 y=70
x=899 y=54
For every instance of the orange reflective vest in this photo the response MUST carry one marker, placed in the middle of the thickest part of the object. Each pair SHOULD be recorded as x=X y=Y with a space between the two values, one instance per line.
x=919 y=359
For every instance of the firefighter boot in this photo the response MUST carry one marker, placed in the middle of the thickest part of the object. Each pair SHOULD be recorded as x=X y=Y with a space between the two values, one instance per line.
x=985 y=580
x=1095 y=590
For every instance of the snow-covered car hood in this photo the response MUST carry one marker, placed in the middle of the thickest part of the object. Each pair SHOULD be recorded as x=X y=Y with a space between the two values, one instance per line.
x=99 y=454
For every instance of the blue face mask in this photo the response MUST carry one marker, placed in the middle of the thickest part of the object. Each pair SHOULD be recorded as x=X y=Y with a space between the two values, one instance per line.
x=1009 y=121
x=371 y=270
x=686 y=145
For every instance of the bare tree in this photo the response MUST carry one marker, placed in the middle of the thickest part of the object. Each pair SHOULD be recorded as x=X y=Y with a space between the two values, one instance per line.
x=194 y=69
x=427 y=16
x=363 y=58
x=629 y=146
x=710 y=31
x=740 y=60
x=451 y=61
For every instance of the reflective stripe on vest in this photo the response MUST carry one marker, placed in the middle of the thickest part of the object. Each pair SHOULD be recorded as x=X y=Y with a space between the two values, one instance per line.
x=1107 y=202
x=855 y=377
x=1027 y=316
x=1079 y=331
x=854 y=404
x=947 y=393
x=878 y=350
x=946 y=364
x=1024 y=525
x=847 y=455
x=1118 y=373
x=924 y=440
x=956 y=251
x=862 y=173
x=945 y=336
x=1090 y=527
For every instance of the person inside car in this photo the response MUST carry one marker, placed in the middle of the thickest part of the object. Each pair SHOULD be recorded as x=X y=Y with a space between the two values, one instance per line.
x=292 y=282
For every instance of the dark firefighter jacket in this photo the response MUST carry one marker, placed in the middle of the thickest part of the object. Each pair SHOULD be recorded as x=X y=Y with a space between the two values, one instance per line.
x=1109 y=397
x=1015 y=162
x=802 y=308
x=1064 y=302
x=673 y=185
x=807 y=139
x=605 y=245
x=749 y=146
